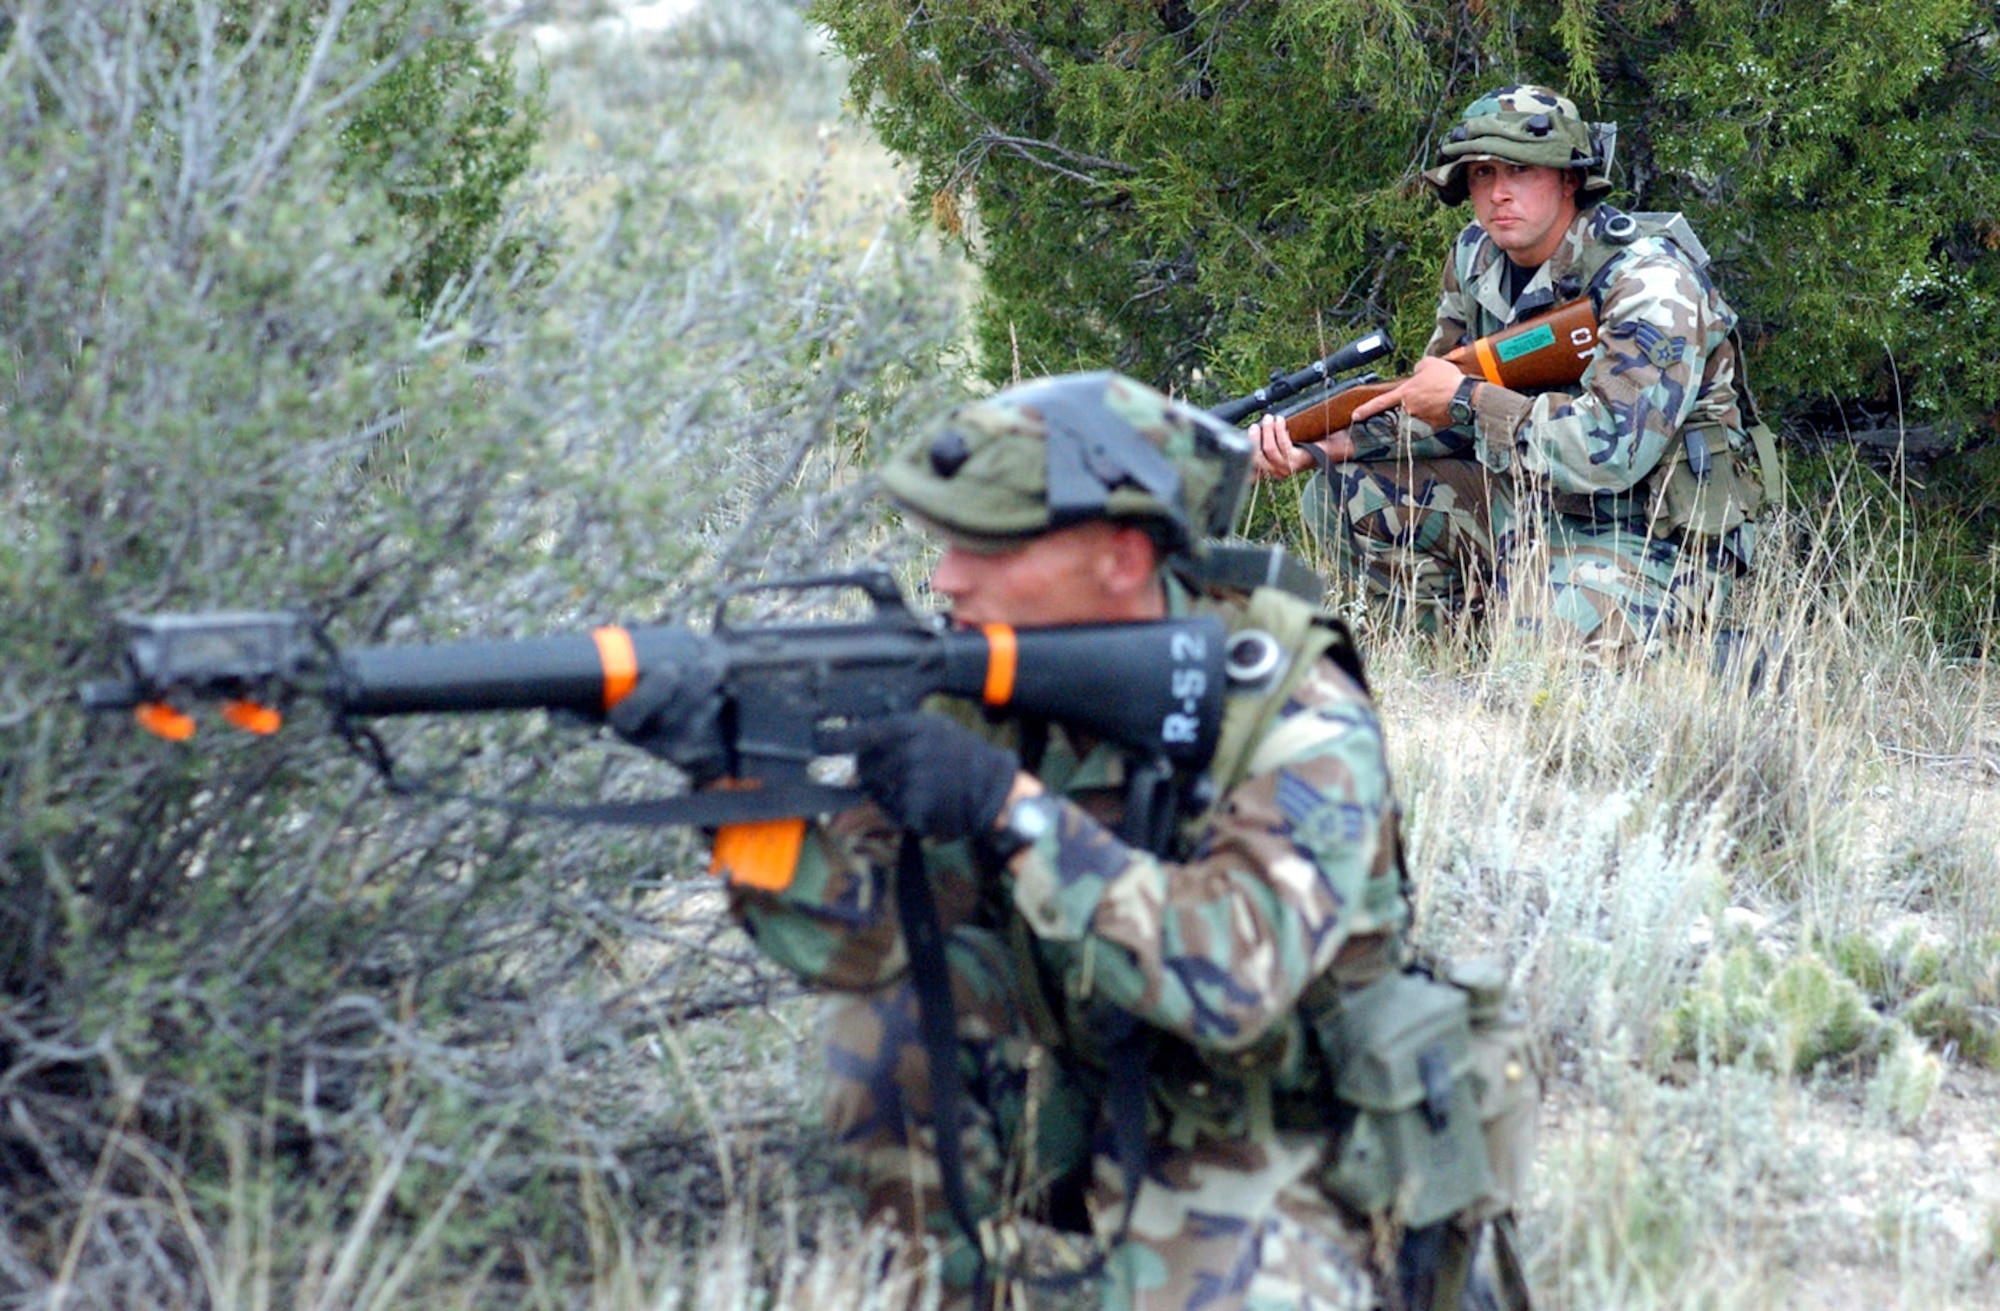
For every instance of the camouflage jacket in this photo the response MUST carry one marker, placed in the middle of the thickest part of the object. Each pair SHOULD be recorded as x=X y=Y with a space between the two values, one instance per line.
x=1664 y=360
x=1290 y=876
x=1664 y=363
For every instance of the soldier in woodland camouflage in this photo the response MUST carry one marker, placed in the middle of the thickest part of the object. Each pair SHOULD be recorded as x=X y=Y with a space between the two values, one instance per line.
x=1286 y=887
x=1589 y=510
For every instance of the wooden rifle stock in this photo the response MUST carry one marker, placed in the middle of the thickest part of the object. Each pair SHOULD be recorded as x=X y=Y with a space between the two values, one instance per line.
x=1549 y=350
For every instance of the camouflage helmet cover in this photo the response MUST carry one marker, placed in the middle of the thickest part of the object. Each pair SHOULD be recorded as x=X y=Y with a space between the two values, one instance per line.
x=1525 y=125
x=1070 y=449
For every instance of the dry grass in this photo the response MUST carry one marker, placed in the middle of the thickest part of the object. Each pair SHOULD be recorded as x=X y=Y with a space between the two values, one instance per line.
x=1656 y=848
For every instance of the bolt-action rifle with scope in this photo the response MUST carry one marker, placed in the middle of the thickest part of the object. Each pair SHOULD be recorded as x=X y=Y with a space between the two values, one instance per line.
x=747 y=708
x=1549 y=350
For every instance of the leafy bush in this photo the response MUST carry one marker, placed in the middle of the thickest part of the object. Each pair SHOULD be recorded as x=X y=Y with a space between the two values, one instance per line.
x=259 y=1020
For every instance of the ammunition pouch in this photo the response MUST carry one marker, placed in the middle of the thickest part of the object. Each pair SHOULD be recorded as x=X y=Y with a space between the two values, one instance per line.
x=1436 y=1088
x=1508 y=1078
x=1401 y=1054
x=1234 y=1095
x=1708 y=486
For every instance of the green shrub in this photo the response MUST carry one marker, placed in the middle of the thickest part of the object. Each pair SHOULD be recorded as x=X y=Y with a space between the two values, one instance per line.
x=446 y=133
x=1197 y=193
x=287 y=1028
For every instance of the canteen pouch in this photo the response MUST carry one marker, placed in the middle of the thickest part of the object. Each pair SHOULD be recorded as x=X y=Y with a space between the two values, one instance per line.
x=1507 y=1076
x=1400 y=1051
x=1712 y=501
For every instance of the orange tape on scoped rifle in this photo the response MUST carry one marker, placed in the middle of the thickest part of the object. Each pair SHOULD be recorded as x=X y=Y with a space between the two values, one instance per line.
x=1549 y=350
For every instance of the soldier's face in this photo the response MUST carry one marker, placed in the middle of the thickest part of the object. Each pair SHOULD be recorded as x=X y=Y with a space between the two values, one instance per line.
x=1089 y=573
x=1525 y=208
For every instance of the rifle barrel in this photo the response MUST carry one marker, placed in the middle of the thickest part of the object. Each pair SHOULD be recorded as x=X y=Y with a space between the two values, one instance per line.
x=1353 y=355
x=565 y=672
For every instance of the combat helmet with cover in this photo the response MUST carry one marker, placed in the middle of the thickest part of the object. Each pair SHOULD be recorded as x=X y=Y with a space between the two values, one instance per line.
x=1526 y=125
x=1070 y=449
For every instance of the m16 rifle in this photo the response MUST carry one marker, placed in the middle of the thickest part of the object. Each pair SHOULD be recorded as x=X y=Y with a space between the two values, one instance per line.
x=746 y=708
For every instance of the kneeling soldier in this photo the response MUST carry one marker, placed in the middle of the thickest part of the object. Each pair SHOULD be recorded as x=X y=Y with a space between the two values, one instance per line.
x=1195 y=1065
x=1608 y=513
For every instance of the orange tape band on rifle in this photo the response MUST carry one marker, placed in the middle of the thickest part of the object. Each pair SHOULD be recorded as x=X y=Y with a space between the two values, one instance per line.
x=762 y=855
x=1489 y=368
x=1002 y=660
x=621 y=663
x=162 y=720
x=253 y=718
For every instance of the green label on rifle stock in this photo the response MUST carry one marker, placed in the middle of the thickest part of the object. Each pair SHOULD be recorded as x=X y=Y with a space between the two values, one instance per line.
x=1526 y=344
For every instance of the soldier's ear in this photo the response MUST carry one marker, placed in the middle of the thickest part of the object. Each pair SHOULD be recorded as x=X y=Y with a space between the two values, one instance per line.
x=1131 y=560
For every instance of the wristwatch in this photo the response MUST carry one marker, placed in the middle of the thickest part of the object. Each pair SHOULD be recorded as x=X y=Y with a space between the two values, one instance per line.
x=1027 y=822
x=1461 y=402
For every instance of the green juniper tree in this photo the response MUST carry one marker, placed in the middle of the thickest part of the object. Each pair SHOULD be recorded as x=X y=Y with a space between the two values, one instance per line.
x=1197 y=191
x=446 y=132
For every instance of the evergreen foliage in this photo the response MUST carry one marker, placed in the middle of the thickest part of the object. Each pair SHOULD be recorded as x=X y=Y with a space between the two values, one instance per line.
x=1198 y=191
x=446 y=132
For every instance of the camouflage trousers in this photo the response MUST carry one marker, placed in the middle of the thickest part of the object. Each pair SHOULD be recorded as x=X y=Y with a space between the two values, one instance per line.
x=1216 y=1225
x=1442 y=539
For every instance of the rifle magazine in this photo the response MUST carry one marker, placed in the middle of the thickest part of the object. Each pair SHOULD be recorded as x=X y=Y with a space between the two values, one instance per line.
x=763 y=855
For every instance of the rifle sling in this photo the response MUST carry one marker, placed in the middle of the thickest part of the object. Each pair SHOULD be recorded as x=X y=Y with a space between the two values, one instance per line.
x=696 y=809
x=937 y=1024
x=1126 y=1046
x=777 y=799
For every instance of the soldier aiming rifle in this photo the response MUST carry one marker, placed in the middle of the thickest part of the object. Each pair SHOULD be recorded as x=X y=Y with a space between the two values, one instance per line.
x=1116 y=917
x=1149 y=1060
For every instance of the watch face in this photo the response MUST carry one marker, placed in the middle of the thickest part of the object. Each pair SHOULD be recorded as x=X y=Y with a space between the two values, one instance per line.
x=1028 y=821
x=1461 y=402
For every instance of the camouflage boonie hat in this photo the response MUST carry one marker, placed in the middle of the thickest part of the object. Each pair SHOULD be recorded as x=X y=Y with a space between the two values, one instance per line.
x=1525 y=125
x=1070 y=449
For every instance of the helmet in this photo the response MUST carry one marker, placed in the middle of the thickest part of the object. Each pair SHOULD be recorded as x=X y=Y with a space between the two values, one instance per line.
x=1070 y=449
x=1526 y=125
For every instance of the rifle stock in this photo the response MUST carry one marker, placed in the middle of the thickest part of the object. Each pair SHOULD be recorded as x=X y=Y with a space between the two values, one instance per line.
x=1549 y=350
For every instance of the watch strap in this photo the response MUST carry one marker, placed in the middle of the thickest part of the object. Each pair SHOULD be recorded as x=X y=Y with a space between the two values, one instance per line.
x=1025 y=823
x=1461 y=401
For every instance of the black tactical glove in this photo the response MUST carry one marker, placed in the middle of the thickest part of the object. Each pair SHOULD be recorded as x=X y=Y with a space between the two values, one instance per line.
x=675 y=712
x=929 y=774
